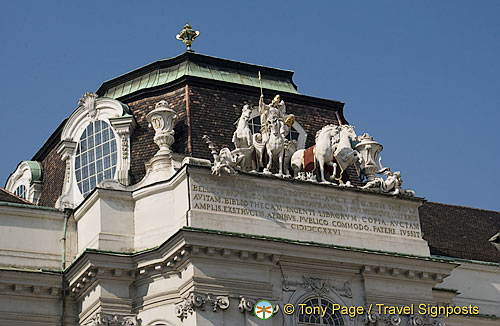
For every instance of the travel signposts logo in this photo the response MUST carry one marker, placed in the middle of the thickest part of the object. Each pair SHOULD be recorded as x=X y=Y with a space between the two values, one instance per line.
x=263 y=310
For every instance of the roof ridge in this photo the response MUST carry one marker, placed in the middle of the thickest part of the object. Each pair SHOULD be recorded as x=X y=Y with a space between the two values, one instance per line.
x=462 y=206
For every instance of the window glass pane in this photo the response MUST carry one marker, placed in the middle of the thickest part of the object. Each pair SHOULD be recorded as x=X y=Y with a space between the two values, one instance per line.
x=20 y=191
x=96 y=157
x=83 y=145
x=105 y=149
x=91 y=169
x=100 y=177
x=92 y=182
x=85 y=172
x=98 y=152
x=84 y=159
x=85 y=186
x=90 y=129
x=107 y=162
x=99 y=166
x=105 y=135
x=90 y=155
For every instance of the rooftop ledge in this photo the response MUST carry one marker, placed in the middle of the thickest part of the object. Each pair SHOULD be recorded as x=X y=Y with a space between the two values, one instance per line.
x=249 y=204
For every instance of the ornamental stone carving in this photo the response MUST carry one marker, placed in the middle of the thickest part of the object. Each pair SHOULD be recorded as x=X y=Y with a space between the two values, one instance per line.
x=394 y=320
x=196 y=301
x=369 y=151
x=88 y=101
x=252 y=150
x=321 y=287
x=370 y=318
x=107 y=319
x=270 y=152
x=246 y=304
x=391 y=184
x=162 y=119
x=415 y=320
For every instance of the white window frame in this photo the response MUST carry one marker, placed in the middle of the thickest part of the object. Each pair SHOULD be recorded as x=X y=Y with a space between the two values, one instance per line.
x=116 y=115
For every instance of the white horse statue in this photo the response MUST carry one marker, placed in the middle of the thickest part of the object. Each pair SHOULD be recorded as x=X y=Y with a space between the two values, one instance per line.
x=343 y=151
x=242 y=137
x=323 y=152
x=275 y=145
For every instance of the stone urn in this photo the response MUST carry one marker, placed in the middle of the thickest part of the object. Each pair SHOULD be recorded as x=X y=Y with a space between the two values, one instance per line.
x=163 y=120
x=369 y=151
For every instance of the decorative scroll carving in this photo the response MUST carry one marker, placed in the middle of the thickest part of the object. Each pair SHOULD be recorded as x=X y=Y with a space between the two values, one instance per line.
x=321 y=287
x=107 y=319
x=415 y=320
x=124 y=127
x=395 y=320
x=246 y=304
x=198 y=301
x=88 y=102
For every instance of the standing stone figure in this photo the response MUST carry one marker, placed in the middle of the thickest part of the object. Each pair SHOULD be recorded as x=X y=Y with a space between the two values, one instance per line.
x=277 y=107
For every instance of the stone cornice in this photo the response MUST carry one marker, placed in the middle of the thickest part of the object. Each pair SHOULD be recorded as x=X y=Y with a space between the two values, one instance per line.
x=189 y=245
x=30 y=283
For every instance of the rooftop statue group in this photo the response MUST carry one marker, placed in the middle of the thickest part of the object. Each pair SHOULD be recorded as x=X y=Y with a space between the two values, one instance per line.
x=271 y=152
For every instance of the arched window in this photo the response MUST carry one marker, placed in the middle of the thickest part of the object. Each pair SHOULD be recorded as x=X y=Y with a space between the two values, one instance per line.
x=95 y=146
x=20 y=191
x=296 y=133
x=318 y=319
x=95 y=158
x=26 y=181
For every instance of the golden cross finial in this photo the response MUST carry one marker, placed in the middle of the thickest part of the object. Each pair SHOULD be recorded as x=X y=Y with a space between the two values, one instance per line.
x=187 y=35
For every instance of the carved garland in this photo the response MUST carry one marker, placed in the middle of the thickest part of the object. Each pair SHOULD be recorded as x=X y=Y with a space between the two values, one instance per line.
x=396 y=320
x=107 y=319
x=198 y=301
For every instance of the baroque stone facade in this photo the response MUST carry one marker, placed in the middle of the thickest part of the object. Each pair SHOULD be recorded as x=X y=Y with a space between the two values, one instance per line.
x=181 y=233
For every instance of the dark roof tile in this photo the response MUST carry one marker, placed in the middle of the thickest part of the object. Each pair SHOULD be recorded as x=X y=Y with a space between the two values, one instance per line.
x=460 y=232
x=7 y=196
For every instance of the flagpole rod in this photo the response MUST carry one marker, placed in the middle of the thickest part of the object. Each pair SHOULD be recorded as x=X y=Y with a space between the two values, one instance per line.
x=260 y=82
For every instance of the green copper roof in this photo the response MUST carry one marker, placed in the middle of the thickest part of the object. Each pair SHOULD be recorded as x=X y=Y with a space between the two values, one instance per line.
x=201 y=66
x=36 y=171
